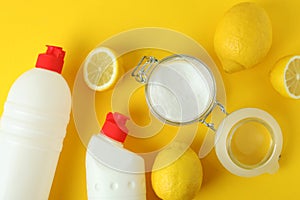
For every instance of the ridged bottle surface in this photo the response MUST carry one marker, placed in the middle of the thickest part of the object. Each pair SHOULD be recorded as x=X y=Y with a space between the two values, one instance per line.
x=32 y=130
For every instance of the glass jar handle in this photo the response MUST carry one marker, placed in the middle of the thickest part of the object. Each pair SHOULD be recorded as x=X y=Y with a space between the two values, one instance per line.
x=210 y=138
x=211 y=125
x=146 y=64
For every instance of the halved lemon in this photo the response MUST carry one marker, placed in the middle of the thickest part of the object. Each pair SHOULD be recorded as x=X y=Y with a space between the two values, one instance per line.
x=101 y=69
x=285 y=76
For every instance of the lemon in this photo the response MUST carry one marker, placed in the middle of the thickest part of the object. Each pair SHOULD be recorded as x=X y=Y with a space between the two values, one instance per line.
x=285 y=77
x=243 y=37
x=101 y=69
x=179 y=180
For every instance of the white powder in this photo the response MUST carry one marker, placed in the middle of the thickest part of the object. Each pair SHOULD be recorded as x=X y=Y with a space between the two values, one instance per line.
x=180 y=91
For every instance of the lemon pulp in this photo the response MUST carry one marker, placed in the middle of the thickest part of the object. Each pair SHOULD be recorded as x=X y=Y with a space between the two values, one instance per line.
x=101 y=69
x=285 y=77
x=292 y=77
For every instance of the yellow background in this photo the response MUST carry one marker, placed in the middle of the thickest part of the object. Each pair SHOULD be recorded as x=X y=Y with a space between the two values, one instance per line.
x=79 y=26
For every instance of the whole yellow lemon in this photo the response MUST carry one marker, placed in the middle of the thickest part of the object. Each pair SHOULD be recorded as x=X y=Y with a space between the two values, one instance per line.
x=180 y=179
x=243 y=37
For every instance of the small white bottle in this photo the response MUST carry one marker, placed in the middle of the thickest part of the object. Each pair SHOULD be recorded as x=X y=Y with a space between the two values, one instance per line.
x=114 y=173
x=32 y=129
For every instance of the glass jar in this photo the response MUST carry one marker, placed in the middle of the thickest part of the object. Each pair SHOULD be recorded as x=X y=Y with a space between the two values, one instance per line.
x=181 y=89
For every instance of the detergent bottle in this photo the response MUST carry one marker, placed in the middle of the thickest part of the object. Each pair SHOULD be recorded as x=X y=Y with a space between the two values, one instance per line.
x=32 y=129
x=114 y=173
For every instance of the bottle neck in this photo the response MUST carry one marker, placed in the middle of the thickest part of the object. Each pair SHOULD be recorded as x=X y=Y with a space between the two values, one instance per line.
x=110 y=140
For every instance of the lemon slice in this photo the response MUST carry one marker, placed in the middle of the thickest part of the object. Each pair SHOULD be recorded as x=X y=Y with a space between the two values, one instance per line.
x=285 y=77
x=101 y=69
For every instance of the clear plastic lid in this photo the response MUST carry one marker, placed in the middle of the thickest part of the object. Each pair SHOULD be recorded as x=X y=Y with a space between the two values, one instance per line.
x=249 y=142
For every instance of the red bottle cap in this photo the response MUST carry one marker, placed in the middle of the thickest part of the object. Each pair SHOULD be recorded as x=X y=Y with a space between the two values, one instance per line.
x=52 y=60
x=115 y=126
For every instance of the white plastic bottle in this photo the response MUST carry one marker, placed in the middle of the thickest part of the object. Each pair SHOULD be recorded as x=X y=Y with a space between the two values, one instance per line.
x=114 y=173
x=32 y=129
